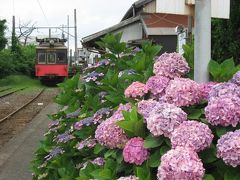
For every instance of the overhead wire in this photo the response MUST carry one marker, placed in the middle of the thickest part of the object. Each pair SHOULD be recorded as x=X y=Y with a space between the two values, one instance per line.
x=43 y=12
x=13 y=6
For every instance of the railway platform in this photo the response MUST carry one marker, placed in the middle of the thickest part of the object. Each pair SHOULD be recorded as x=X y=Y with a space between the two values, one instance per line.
x=16 y=155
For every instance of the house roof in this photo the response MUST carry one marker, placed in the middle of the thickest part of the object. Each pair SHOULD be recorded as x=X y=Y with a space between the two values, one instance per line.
x=110 y=29
x=137 y=7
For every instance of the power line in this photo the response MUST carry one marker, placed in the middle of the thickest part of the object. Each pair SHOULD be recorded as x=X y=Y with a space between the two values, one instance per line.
x=13 y=7
x=43 y=11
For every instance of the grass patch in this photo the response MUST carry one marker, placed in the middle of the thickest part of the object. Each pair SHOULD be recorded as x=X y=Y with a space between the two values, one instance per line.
x=20 y=81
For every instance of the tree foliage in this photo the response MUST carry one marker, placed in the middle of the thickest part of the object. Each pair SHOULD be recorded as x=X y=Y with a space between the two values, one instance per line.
x=11 y=62
x=3 y=40
x=226 y=35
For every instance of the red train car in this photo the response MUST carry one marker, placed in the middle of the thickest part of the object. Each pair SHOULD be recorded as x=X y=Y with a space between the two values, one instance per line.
x=51 y=60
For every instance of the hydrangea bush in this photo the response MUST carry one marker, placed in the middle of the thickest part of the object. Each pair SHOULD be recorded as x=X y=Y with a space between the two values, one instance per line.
x=120 y=121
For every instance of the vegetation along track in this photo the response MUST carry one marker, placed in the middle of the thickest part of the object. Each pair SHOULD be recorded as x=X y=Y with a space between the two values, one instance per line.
x=26 y=105
x=8 y=91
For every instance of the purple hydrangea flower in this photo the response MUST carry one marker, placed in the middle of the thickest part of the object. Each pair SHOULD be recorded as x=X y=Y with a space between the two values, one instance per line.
x=126 y=72
x=74 y=114
x=128 y=178
x=192 y=134
x=84 y=122
x=78 y=125
x=53 y=153
x=183 y=92
x=53 y=124
x=109 y=134
x=146 y=106
x=134 y=152
x=98 y=161
x=63 y=138
x=223 y=111
x=101 y=115
x=236 y=78
x=228 y=148
x=157 y=85
x=171 y=65
x=89 y=143
x=164 y=119
x=136 y=89
x=93 y=76
x=180 y=164
x=102 y=94
x=224 y=90
x=103 y=62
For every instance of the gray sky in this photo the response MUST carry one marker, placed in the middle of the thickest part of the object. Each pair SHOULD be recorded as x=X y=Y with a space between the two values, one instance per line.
x=92 y=15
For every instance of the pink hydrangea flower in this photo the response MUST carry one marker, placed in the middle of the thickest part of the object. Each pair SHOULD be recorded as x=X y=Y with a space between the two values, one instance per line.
x=109 y=134
x=157 y=85
x=164 y=118
x=128 y=178
x=228 y=148
x=223 y=111
x=136 y=89
x=134 y=152
x=146 y=106
x=171 y=65
x=224 y=90
x=180 y=164
x=122 y=107
x=205 y=88
x=236 y=78
x=192 y=134
x=183 y=92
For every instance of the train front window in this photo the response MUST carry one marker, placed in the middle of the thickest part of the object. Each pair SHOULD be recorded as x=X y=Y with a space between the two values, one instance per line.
x=61 y=58
x=51 y=58
x=41 y=58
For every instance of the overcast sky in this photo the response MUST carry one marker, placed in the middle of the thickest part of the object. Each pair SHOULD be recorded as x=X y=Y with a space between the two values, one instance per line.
x=92 y=15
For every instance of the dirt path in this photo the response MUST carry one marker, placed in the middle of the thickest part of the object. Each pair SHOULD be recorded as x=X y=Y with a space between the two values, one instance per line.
x=16 y=155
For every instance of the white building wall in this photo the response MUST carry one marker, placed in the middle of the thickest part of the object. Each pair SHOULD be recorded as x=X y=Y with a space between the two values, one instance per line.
x=131 y=32
x=220 y=8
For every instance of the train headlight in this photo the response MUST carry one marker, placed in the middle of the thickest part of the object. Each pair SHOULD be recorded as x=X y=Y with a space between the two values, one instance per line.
x=51 y=42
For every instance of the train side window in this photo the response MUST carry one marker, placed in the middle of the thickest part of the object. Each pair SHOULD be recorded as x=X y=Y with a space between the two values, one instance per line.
x=41 y=58
x=51 y=58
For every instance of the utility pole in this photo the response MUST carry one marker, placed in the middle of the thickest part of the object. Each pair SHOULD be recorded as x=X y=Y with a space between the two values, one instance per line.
x=202 y=46
x=68 y=36
x=14 y=40
x=70 y=58
x=189 y=30
x=50 y=33
x=75 y=30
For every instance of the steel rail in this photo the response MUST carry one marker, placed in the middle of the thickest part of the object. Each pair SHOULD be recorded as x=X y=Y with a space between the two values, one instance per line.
x=23 y=106
x=5 y=89
x=12 y=92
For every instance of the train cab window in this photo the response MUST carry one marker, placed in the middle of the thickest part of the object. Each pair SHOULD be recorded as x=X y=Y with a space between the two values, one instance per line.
x=61 y=57
x=41 y=58
x=51 y=57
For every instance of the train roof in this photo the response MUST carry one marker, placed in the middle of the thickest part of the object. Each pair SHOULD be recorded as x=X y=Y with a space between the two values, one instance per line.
x=53 y=42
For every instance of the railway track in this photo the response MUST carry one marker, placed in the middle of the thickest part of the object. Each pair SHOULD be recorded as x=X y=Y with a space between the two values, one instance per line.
x=22 y=107
x=8 y=91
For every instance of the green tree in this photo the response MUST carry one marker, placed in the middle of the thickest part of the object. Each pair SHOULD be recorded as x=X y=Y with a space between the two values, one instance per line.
x=3 y=40
x=226 y=35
